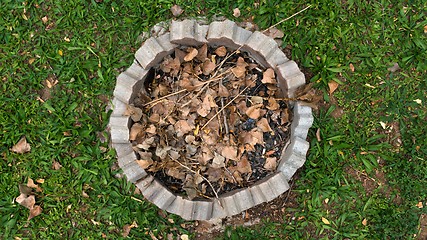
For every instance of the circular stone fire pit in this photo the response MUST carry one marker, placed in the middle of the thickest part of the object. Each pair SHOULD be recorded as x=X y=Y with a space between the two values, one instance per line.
x=226 y=33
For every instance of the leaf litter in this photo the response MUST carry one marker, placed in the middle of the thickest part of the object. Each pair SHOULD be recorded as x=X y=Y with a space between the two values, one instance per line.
x=209 y=121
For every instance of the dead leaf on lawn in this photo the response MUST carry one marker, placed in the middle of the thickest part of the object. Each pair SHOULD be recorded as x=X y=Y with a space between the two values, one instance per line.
x=244 y=166
x=351 y=67
x=176 y=10
x=31 y=184
x=35 y=211
x=22 y=146
x=274 y=33
x=270 y=163
x=192 y=53
x=325 y=221
x=221 y=51
x=236 y=12
x=332 y=86
x=394 y=68
x=364 y=222
x=56 y=165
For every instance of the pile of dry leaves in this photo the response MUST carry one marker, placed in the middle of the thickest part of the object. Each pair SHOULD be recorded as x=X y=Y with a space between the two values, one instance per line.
x=209 y=121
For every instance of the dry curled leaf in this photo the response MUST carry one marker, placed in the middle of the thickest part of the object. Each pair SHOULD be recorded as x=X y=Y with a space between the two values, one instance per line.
x=176 y=10
x=332 y=86
x=351 y=67
x=135 y=130
x=325 y=221
x=35 y=211
x=22 y=146
x=221 y=51
x=56 y=165
x=270 y=163
x=192 y=53
x=263 y=125
x=236 y=12
x=254 y=111
x=208 y=67
x=274 y=33
x=229 y=152
x=134 y=112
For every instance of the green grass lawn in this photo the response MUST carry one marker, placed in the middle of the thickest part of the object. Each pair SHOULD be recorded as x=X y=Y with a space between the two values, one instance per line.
x=365 y=177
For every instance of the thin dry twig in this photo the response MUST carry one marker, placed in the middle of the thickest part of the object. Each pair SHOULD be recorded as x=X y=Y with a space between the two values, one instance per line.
x=286 y=19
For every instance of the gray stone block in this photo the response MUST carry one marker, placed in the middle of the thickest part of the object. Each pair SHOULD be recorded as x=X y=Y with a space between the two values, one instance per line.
x=177 y=206
x=257 y=195
x=218 y=210
x=244 y=199
x=134 y=172
x=188 y=209
x=159 y=195
x=276 y=58
x=266 y=189
x=278 y=183
x=126 y=159
x=202 y=210
x=260 y=46
x=119 y=134
x=122 y=149
x=302 y=121
x=118 y=107
x=136 y=71
x=231 y=207
x=119 y=129
x=188 y=32
x=293 y=157
x=153 y=51
x=227 y=33
x=127 y=87
x=290 y=77
x=144 y=183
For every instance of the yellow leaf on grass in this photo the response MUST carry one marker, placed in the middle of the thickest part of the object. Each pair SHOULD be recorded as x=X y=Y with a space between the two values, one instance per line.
x=60 y=52
x=325 y=221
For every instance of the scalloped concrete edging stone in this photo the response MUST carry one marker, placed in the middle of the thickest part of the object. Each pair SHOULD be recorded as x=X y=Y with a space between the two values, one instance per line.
x=218 y=33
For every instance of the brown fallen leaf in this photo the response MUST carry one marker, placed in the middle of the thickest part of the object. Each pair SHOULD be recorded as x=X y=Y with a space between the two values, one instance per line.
x=176 y=10
x=274 y=33
x=270 y=163
x=202 y=53
x=31 y=184
x=56 y=165
x=254 y=111
x=192 y=53
x=221 y=51
x=230 y=152
x=208 y=67
x=134 y=112
x=144 y=164
x=135 y=130
x=268 y=76
x=272 y=104
x=35 y=211
x=263 y=125
x=332 y=86
x=364 y=222
x=223 y=91
x=22 y=146
x=351 y=67
x=244 y=166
